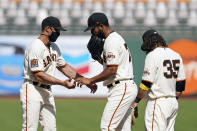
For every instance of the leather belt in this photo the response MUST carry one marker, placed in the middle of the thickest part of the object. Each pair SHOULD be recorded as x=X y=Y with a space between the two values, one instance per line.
x=116 y=82
x=110 y=85
x=41 y=85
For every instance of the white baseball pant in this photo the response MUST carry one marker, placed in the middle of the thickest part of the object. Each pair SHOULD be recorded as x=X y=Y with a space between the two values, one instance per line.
x=160 y=114
x=38 y=106
x=117 y=112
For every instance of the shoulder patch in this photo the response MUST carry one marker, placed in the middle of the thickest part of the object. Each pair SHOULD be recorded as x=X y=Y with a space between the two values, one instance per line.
x=34 y=63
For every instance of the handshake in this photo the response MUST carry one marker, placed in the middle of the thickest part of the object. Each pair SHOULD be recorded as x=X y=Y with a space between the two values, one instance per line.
x=70 y=83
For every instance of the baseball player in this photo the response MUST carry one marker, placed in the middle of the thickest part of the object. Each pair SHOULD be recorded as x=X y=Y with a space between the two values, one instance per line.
x=42 y=56
x=163 y=79
x=117 y=75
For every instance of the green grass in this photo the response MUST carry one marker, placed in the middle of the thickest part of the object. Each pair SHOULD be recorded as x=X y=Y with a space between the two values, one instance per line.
x=85 y=115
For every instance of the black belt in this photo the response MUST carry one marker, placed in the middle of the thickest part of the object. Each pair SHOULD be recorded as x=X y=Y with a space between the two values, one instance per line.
x=41 y=85
x=116 y=82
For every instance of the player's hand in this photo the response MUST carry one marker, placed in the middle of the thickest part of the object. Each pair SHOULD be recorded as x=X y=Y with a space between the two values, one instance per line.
x=93 y=88
x=69 y=84
x=84 y=81
x=88 y=83
x=134 y=104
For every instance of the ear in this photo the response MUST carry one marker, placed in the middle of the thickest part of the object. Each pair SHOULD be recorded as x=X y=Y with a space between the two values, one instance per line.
x=47 y=29
x=101 y=26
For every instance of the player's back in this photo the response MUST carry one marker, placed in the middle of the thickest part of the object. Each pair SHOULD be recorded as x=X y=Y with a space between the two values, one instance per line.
x=167 y=66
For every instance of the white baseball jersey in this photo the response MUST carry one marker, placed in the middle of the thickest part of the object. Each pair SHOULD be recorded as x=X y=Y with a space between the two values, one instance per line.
x=117 y=112
x=116 y=52
x=36 y=101
x=40 y=58
x=163 y=67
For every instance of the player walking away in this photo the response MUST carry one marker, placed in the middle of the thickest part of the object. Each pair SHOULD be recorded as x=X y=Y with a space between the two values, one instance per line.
x=117 y=74
x=42 y=56
x=163 y=79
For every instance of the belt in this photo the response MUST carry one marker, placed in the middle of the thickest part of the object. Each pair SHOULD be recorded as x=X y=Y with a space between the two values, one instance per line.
x=41 y=85
x=116 y=82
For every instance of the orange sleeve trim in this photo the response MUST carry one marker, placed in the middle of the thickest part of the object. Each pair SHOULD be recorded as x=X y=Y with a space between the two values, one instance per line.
x=180 y=80
x=36 y=71
x=61 y=66
x=113 y=65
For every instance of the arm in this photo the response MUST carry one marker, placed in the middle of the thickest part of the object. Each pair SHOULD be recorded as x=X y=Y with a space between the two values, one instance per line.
x=47 y=79
x=144 y=87
x=109 y=71
x=69 y=71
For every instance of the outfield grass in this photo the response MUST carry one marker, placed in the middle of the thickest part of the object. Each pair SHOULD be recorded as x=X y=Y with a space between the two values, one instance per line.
x=85 y=115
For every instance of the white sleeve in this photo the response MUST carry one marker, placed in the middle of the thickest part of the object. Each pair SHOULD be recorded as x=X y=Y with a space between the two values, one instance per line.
x=149 y=69
x=60 y=59
x=111 y=53
x=35 y=59
x=181 y=73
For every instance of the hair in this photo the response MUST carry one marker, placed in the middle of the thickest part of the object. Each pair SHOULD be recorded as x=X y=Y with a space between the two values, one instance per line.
x=152 y=41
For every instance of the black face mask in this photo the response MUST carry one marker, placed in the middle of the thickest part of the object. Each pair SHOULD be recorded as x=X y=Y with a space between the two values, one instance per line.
x=54 y=35
x=101 y=34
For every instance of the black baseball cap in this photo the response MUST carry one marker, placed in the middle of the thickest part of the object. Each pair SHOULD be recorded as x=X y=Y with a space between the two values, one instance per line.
x=96 y=19
x=52 y=22
x=149 y=33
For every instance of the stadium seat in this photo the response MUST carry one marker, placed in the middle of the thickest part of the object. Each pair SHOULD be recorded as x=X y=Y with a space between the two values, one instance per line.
x=110 y=18
x=12 y=9
x=24 y=4
x=172 y=4
x=140 y=11
x=4 y=4
x=109 y=4
x=151 y=4
x=88 y=4
x=193 y=4
x=183 y=13
x=97 y=6
x=42 y=13
x=76 y=10
x=150 y=19
x=84 y=18
x=161 y=11
x=3 y=19
x=172 y=19
x=119 y=11
x=128 y=20
x=130 y=4
x=192 y=20
x=55 y=8
x=33 y=9
x=46 y=4
x=21 y=19
x=64 y=18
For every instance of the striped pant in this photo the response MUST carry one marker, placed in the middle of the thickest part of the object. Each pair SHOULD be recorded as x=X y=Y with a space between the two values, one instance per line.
x=117 y=112
x=38 y=106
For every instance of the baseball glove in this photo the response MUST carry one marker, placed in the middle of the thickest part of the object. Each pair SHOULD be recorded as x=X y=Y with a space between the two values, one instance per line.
x=134 y=114
x=95 y=47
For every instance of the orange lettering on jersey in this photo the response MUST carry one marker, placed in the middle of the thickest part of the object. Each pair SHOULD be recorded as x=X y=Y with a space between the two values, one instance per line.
x=188 y=51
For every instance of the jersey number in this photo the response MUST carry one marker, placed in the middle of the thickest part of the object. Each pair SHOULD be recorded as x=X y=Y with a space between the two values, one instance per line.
x=172 y=68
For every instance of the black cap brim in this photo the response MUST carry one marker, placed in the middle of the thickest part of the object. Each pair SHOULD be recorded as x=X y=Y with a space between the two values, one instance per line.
x=88 y=28
x=60 y=28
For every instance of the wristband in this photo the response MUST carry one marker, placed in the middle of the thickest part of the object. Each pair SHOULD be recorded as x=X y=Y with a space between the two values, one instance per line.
x=137 y=99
